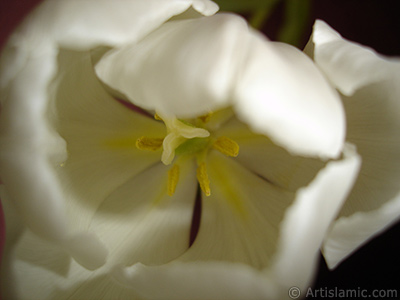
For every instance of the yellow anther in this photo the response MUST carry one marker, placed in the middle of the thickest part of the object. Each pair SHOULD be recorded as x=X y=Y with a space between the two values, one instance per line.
x=202 y=178
x=173 y=178
x=226 y=146
x=157 y=117
x=146 y=143
x=205 y=118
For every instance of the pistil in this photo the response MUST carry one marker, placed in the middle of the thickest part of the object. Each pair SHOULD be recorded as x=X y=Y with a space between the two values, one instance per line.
x=178 y=132
x=184 y=138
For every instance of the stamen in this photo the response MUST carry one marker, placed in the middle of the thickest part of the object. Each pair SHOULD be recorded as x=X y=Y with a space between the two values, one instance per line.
x=152 y=144
x=173 y=178
x=226 y=146
x=157 y=117
x=202 y=178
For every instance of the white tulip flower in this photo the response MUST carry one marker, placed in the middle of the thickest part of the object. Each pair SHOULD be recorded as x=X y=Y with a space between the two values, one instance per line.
x=101 y=199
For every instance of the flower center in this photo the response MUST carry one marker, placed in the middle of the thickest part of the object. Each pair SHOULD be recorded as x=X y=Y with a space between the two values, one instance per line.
x=183 y=139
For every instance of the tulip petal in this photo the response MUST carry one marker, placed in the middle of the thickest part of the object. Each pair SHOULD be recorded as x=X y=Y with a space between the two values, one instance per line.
x=23 y=153
x=184 y=68
x=302 y=231
x=171 y=71
x=48 y=273
x=374 y=204
x=283 y=95
x=373 y=126
x=240 y=217
x=87 y=24
x=27 y=67
x=308 y=220
x=90 y=23
x=78 y=247
x=100 y=134
x=13 y=226
x=205 y=280
x=29 y=154
x=140 y=222
x=273 y=163
x=348 y=65
x=348 y=234
x=136 y=223
x=369 y=83
x=33 y=156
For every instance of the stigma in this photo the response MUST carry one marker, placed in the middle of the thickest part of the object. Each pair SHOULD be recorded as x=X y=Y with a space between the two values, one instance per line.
x=189 y=139
x=178 y=132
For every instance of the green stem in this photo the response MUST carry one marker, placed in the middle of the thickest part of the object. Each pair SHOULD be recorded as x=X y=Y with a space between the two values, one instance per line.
x=296 y=18
x=260 y=16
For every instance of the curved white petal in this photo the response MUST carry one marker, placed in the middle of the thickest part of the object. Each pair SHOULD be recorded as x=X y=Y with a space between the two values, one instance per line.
x=350 y=233
x=373 y=114
x=136 y=223
x=38 y=200
x=28 y=64
x=39 y=270
x=273 y=163
x=14 y=229
x=88 y=23
x=172 y=71
x=78 y=246
x=282 y=94
x=307 y=221
x=301 y=234
x=184 y=68
x=100 y=136
x=370 y=82
x=241 y=217
x=29 y=152
x=13 y=226
x=140 y=222
x=205 y=280
x=349 y=66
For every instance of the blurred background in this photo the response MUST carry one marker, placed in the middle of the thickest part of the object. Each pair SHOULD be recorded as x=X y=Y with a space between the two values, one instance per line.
x=370 y=22
x=374 y=23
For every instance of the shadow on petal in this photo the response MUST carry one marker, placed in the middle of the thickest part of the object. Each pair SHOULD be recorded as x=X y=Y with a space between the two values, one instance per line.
x=96 y=287
x=43 y=254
